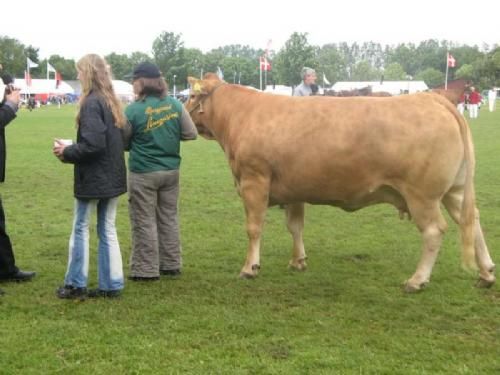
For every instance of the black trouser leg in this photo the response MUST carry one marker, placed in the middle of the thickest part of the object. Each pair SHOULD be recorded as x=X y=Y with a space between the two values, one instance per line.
x=7 y=260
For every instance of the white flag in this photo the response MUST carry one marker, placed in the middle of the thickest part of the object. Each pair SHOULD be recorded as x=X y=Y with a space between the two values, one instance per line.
x=30 y=64
x=50 y=68
x=325 y=80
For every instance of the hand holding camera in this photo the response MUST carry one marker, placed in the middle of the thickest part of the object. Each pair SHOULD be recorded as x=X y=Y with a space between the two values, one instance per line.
x=12 y=93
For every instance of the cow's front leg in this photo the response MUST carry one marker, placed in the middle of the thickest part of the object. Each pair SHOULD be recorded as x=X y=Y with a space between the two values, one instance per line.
x=255 y=195
x=295 y=225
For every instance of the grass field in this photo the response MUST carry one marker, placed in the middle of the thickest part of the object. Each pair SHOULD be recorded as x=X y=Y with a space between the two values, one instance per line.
x=347 y=314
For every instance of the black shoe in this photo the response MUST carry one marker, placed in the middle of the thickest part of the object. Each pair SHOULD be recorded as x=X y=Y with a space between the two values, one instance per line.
x=71 y=292
x=96 y=293
x=19 y=276
x=176 y=272
x=144 y=278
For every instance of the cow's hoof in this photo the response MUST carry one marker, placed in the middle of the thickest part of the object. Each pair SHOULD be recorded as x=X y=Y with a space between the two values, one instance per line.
x=485 y=284
x=297 y=266
x=250 y=275
x=411 y=288
x=247 y=276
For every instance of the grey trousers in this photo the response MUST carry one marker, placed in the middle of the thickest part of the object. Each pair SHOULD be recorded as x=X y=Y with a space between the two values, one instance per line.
x=153 y=199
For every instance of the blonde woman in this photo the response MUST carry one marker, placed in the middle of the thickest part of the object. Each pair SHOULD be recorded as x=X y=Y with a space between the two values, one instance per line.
x=99 y=178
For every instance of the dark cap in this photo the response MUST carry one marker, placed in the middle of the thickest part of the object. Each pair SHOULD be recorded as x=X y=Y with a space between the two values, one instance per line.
x=146 y=70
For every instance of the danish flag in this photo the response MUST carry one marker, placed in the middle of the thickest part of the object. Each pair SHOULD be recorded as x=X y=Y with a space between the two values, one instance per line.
x=451 y=61
x=264 y=64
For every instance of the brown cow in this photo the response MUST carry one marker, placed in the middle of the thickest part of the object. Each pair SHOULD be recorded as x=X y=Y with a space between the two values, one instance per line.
x=455 y=89
x=412 y=151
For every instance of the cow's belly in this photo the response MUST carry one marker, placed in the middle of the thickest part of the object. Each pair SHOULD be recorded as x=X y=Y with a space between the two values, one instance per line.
x=348 y=199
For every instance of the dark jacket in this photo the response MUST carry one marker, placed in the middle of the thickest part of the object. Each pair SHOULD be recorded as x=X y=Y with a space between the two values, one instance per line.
x=7 y=114
x=98 y=155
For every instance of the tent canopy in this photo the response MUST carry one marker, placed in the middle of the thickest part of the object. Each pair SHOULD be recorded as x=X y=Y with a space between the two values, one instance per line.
x=392 y=87
x=43 y=86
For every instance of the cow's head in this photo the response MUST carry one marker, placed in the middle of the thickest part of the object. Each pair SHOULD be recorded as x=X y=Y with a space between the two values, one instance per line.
x=198 y=106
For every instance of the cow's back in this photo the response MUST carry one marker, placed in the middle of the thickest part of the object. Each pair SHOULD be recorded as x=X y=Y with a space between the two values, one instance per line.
x=322 y=150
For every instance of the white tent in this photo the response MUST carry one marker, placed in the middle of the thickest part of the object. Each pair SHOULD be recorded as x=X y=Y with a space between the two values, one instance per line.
x=279 y=89
x=43 y=86
x=392 y=87
x=124 y=90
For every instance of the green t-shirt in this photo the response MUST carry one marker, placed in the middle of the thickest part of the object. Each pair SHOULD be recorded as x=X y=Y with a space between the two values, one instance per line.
x=156 y=134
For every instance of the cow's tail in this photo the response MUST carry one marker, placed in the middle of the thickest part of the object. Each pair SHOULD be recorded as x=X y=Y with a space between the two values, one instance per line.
x=468 y=214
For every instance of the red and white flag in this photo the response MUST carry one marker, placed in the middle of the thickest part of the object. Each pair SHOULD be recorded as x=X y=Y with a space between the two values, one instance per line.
x=264 y=64
x=451 y=60
x=58 y=79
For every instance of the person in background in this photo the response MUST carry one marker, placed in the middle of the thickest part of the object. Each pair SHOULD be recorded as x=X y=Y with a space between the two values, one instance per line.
x=492 y=98
x=99 y=179
x=8 y=108
x=158 y=124
x=308 y=80
x=474 y=100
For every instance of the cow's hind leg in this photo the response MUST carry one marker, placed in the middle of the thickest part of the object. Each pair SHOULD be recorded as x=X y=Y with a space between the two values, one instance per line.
x=254 y=193
x=431 y=224
x=295 y=224
x=453 y=203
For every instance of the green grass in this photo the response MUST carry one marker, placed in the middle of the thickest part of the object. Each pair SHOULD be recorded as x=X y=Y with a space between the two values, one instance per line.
x=346 y=315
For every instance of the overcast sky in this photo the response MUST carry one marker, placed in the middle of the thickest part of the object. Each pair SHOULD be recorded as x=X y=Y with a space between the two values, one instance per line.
x=74 y=28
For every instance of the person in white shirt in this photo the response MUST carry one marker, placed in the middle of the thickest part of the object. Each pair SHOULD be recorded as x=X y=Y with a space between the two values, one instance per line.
x=492 y=98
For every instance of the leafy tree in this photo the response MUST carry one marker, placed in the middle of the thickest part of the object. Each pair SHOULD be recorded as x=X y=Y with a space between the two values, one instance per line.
x=12 y=56
x=138 y=57
x=120 y=65
x=430 y=54
x=331 y=63
x=193 y=62
x=373 y=53
x=290 y=60
x=363 y=71
x=168 y=51
x=405 y=55
x=431 y=76
x=466 y=54
x=486 y=70
x=466 y=71
x=394 y=72
x=213 y=60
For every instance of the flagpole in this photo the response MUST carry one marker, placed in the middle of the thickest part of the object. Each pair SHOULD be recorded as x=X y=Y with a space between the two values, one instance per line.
x=28 y=77
x=446 y=75
x=260 y=73
x=265 y=74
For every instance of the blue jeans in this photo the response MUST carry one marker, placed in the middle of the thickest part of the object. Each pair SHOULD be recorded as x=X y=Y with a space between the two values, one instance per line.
x=109 y=255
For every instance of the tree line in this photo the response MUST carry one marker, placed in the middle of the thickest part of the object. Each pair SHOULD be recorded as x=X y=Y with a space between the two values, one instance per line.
x=367 y=61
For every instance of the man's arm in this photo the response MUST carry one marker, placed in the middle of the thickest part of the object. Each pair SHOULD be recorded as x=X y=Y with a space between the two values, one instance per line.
x=188 y=129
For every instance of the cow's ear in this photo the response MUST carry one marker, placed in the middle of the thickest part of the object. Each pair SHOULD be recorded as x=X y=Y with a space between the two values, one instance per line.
x=196 y=86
